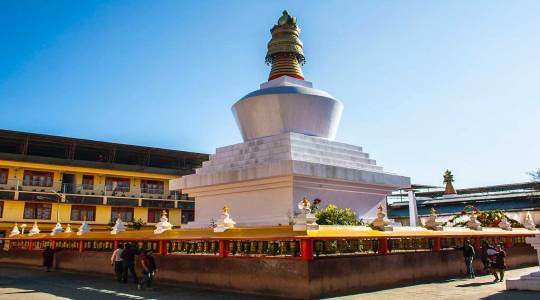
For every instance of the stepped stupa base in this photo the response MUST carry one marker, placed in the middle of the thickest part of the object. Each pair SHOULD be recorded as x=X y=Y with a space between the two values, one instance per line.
x=262 y=180
x=530 y=282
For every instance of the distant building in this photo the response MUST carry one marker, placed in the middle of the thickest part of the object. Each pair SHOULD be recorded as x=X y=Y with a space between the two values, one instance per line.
x=44 y=178
x=517 y=199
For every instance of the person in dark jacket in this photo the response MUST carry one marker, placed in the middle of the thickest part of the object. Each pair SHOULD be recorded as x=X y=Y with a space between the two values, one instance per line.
x=485 y=257
x=128 y=257
x=48 y=258
x=499 y=264
x=468 y=254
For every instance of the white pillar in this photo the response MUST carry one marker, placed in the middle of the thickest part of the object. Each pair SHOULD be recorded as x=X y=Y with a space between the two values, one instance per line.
x=413 y=210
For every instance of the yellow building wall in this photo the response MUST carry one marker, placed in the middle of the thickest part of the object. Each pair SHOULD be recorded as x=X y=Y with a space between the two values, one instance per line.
x=103 y=214
x=140 y=212
x=175 y=216
x=13 y=211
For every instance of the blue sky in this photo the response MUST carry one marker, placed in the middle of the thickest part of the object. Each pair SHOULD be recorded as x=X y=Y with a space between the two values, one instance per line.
x=427 y=85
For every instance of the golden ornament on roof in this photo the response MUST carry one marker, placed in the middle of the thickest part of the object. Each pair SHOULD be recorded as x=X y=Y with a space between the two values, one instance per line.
x=285 y=50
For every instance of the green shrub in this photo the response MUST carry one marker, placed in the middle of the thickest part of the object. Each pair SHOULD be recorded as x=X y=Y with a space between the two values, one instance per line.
x=333 y=215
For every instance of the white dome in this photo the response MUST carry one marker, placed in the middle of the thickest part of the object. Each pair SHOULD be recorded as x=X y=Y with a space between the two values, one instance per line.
x=289 y=105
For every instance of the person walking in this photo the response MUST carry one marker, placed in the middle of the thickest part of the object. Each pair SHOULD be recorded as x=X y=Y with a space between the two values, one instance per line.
x=118 y=262
x=128 y=257
x=499 y=264
x=484 y=256
x=468 y=254
x=153 y=268
x=146 y=265
x=48 y=258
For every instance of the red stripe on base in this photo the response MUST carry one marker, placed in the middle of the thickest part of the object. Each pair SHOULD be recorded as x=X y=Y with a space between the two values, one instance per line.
x=291 y=75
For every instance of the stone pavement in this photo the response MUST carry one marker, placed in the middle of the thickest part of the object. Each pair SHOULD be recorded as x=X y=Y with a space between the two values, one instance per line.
x=481 y=287
x=30 y=283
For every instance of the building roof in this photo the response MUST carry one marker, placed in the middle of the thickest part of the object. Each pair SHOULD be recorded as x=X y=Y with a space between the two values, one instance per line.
x=508 y=197
x=50 y=149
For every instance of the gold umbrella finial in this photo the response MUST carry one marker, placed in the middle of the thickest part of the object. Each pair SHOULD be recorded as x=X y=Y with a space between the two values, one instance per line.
x=285 y=49
x=305 y=202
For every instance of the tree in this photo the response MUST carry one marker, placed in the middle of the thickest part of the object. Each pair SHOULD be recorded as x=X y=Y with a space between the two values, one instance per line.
x=535 y=177
x=333 y=215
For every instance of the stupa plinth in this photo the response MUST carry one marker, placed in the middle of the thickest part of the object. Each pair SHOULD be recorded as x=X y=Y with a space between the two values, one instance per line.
x=530 y=282
x=288 y=151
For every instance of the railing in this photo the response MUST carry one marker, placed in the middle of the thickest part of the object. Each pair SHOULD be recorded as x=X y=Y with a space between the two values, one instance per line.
x=290 y=248
x=12 y=189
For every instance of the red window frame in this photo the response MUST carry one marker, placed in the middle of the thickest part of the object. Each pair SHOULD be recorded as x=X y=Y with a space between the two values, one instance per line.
x=83 y=212
x=126 y=213
x=154 y=214
x=117 y=184
x=38 y=178
x=152 y=186
x=88 y=182
x=4 y=173
x=37 y=211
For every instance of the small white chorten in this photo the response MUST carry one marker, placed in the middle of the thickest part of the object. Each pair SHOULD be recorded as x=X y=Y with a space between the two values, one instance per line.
x=34 y=230
x=381 y=223
x=163 y=224
x=57 y=229
x=68 y=229
x=15 y=231
x=84 y=228
x=305 y=220
x=432 y=222
x=224 y=222
x=529 y=223
x=505 y=225
x=473 y=223
x=118 y=226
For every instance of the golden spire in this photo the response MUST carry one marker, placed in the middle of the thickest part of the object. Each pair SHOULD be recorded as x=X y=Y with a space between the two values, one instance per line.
x=225 y=209
x=285 y=52
x=305 y=202
x=448 y=179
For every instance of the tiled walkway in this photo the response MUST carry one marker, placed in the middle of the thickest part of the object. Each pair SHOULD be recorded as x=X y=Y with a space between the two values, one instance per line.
x=481 y=287
x=24 y=283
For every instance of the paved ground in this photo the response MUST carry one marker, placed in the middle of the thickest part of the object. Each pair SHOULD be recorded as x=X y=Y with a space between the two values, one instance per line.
x=26 y=283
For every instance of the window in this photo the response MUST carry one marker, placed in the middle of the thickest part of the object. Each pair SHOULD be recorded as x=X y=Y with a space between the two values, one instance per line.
x=37 y=178
x=4 y=176
x=88 y=182
x=117 y=184
x=154 y=214
x=187 y=216
x=83 y=212
x=126 y=213
x=40 y=211
x=1 y=208
x=152 y=186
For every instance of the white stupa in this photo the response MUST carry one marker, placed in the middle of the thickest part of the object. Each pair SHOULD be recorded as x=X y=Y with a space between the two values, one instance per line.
x=84 y=228
x=57 y=229
x=305 y=220
x=289 y=152
x=225 y=221
x=504 y=224
x=15 y=231
x=118 y=226
x=68 y=229
x=35 y=229
x=473 y=223
x=529 y=223
x=163 y=224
